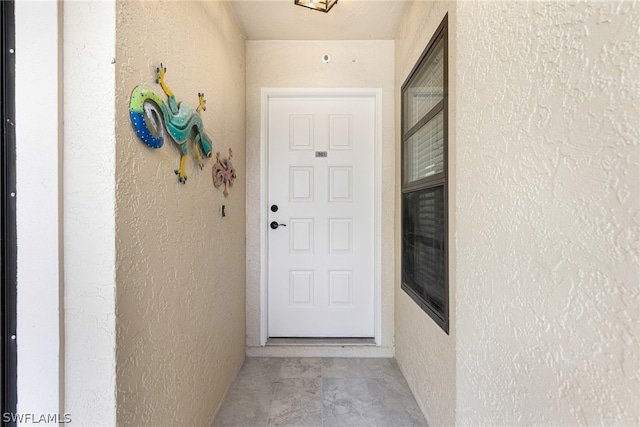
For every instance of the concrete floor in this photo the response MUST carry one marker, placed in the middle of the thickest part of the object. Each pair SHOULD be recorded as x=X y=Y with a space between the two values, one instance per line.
x=319 y=392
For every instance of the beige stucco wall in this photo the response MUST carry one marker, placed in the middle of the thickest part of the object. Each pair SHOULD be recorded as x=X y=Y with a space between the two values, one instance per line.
x=548 y=97
x=180 y=266
x=425 y=353
x=545 y=161
x=298 y=64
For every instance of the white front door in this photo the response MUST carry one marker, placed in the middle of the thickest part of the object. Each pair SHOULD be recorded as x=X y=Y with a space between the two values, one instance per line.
x=321 y=192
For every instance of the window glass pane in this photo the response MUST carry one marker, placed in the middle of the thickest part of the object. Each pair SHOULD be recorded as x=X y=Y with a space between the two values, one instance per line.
x=423 y=151
x=426 y=88
x=423 y=249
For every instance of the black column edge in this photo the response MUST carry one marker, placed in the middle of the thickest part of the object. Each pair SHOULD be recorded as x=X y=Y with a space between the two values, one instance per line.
x=9 y=231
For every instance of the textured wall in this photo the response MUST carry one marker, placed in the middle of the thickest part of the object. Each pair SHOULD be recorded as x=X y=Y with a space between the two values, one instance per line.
x=548 y=195
x=89 y=209
x=298 y=64
x=424 y=352
x=180 y=266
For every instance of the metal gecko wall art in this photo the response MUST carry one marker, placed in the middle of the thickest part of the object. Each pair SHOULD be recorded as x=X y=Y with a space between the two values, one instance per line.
x=150 y=116
x=223 y=172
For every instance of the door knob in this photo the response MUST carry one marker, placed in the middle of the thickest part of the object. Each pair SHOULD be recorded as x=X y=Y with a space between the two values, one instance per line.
x=274 y=225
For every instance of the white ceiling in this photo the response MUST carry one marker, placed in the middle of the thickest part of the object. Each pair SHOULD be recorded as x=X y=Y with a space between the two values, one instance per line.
x=348 y=20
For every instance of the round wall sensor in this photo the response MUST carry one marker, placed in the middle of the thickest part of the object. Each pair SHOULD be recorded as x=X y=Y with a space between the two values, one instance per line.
x=326 y=58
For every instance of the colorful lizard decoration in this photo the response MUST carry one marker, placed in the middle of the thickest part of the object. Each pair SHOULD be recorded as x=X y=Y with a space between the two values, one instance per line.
x=148 y=113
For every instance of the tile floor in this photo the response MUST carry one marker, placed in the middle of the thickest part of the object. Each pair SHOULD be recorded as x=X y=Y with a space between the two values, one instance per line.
x=319 y=392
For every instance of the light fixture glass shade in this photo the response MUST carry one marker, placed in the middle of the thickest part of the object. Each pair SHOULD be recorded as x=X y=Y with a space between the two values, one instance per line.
x=321 y=5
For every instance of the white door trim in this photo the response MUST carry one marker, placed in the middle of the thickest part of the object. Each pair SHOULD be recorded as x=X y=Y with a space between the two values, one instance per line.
x=267 y=93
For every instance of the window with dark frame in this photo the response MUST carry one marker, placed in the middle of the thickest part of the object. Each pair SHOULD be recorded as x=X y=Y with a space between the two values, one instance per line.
x=424 y=181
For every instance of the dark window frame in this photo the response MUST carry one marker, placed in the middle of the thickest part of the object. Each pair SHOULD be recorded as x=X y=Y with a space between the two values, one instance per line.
x=433 y=181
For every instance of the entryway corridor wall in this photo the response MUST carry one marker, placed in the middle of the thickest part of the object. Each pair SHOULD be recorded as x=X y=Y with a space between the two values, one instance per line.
x=544 y=197
x=180 y=265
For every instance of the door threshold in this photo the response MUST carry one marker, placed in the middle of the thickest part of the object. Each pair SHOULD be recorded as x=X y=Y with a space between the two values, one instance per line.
x=320 y=347
x=321 y=342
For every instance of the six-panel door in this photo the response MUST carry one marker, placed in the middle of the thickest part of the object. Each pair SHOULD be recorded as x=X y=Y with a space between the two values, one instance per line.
x=321 y=181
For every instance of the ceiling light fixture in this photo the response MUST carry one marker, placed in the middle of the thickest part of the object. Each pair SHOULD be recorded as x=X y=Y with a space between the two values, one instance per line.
x=321 y=5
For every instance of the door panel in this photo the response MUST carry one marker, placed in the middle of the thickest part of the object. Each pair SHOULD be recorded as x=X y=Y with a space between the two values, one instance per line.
x=321 y=177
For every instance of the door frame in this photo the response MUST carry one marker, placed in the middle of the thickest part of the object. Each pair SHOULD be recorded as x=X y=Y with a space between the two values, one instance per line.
x=8 y=288
x=266 y=94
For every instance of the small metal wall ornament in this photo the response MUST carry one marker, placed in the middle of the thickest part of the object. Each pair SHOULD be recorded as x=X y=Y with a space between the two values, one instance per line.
x=150 y=116
x=223 y=172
